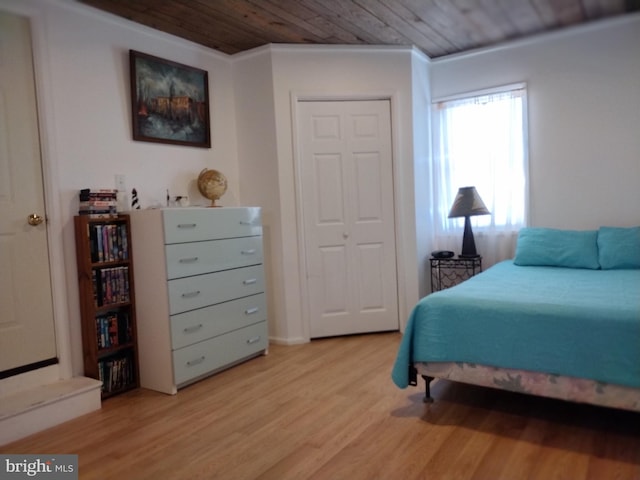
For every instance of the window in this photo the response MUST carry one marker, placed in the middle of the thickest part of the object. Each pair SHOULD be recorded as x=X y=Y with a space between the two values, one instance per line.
x=480 y=141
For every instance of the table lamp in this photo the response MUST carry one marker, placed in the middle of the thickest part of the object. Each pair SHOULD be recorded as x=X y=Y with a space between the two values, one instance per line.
x=466 y=204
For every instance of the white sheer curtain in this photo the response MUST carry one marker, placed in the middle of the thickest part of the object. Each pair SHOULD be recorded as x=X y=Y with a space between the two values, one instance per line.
x=481 y=141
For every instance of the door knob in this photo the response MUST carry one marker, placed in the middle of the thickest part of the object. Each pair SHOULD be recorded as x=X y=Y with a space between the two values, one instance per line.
x=345 y=235
x=35 y=219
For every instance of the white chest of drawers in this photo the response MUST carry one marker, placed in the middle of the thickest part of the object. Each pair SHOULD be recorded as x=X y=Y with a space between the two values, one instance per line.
x=200 y=297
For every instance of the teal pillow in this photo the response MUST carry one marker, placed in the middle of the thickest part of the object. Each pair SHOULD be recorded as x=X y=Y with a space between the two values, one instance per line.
x=557 y=248
x=619 y=247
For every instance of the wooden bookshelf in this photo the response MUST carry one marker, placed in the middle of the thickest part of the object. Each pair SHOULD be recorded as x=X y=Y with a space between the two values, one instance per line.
x=107 y=302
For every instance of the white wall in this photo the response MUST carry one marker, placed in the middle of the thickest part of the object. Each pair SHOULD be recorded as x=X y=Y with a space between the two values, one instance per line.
x=584 y=113
x=421 y=94
x=325 y=73
x=81 y=63
x=89 y=75
x=258 y=159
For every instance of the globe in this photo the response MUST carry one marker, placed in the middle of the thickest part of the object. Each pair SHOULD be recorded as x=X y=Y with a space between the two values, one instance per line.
x=212 y=184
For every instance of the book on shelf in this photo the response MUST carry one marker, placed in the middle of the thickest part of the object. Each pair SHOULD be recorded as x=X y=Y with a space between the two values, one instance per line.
x=111 y=285
x=113 y=329
x=97 y=204
x=94 y=193
x=86 y=210
x=105 y=215
x=108 y=242
x=115 y=373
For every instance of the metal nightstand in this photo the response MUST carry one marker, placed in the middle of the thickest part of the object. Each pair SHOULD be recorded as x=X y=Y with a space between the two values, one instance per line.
x=447 y=272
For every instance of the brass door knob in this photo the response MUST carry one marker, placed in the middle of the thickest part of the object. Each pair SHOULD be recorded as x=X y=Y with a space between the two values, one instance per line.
x=35 y=219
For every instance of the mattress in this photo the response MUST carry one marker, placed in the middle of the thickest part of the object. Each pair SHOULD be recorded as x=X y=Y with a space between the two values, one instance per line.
x=572 y=322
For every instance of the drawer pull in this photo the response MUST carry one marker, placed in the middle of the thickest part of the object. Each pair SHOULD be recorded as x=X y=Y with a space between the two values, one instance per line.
x=248 y=252
x=187 y=225
x=251 y=311
x=250 y=281
x=197 y=361
x=193 y=329
x=244 y=222
x=253 y=340
x=188 y=260
x=191 y=294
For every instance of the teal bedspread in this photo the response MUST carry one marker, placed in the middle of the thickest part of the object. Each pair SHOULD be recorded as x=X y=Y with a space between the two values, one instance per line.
x=566 y=321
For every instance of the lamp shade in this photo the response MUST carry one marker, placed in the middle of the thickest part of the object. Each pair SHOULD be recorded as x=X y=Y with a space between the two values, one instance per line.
x=468 y=203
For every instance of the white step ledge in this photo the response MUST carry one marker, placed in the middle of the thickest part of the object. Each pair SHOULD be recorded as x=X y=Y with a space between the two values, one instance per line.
x=38 y=408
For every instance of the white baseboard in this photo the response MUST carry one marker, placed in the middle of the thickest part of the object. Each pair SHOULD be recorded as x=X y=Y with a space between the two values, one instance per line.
x=287 y=341
x=32 y=410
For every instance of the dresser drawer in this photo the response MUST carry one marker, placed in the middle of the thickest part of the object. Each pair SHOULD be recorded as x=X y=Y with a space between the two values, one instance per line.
x=205 y=357
x=203 y=290
x=186 y=259
x=198 y=325
x=198 y=224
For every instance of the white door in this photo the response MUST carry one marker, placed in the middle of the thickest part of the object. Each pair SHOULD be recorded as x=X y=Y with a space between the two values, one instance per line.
x=26 y=312
x=347 y=193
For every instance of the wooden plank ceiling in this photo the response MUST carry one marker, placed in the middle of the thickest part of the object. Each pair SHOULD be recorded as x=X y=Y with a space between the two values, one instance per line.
x=437 y=27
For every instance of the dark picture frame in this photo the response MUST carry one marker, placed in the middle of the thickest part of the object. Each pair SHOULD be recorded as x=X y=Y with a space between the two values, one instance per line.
x=169 y=101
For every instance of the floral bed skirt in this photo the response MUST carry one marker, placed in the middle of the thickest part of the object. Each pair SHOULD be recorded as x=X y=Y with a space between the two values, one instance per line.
x=542 y=384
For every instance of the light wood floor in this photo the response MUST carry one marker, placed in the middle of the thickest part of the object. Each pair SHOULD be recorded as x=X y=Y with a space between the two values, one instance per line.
x=328 y=410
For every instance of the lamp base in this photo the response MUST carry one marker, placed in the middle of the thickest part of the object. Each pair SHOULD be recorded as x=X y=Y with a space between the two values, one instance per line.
x=468 y=242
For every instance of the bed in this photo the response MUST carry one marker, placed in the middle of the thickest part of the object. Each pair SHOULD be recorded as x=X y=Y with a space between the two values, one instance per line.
x=561 y=320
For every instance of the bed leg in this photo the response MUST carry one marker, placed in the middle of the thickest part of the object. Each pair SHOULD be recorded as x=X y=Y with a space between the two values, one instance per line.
x=427 y=389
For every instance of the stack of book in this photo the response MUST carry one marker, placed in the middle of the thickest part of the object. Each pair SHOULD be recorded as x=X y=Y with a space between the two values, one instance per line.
x=98 y=203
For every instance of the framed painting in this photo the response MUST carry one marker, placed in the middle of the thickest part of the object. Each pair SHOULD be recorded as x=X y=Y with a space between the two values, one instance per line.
x=169 y=101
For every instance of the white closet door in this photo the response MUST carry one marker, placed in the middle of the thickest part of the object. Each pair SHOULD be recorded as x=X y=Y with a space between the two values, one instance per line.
x=346 y=171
